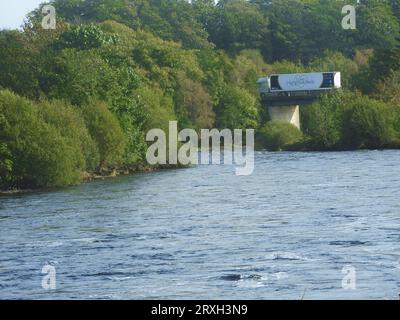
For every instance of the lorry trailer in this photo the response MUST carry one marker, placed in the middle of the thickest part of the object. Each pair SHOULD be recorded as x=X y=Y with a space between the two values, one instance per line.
x=296 y=88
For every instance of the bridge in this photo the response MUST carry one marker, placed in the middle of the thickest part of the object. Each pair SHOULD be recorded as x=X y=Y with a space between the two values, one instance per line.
x=283 y=94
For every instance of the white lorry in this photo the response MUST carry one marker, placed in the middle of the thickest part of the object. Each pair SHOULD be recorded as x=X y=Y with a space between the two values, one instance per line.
x=296 y=88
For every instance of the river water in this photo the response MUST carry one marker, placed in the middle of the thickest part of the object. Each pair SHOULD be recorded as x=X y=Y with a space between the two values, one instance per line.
x=302 y=226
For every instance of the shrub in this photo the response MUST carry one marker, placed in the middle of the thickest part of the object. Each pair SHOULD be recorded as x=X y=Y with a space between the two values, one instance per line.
x=277 y=135
x=389 y=89
x=159 y=107
x=368 y=123
x=70 y=124
x=194 y=104
x=37 y=154
x=84 y=36
x=237 y=109
x=6 y=165
x=106 y=132
x=322 y=122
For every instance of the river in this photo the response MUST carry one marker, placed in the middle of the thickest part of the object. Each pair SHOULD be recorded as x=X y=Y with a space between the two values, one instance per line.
x=297 y=228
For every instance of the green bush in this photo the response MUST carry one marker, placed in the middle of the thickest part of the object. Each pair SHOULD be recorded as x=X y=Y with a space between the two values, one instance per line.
x=194 y=105
x=70 y=124
x=159 y=107
x=6 y=165
x=237 y=109
x=277 y=135
x=388 y=89
x=369 y=124
x=350 y=121
x=322 y=122
x=84 y=36
x=38 y=155
x=106 y=132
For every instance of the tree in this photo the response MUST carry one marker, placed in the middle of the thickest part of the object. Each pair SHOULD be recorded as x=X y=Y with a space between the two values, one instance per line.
x=69 y=123
x=322 y=122
x=368 y=123
x=106 y=132
x=84 y=37
x=237 y=25
x=286 y=26
x=158 y=106
x=195 y=104
x=381 y=65
x=18 y=64
x=34 y=152
x=388 y=89
x=396 y=8
x=377 y=25
x=248 y=65
x=276 y=135
x=237 y=109
x=6 y=162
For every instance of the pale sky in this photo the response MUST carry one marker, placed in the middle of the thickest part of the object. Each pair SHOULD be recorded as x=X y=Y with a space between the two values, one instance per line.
x=13 y=12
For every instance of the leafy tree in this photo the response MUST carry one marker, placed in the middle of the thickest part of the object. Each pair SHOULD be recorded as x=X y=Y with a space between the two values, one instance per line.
x=368 y=123
x=285 y=66
x=80 y=11
x=69 y=123
x=286 y=25
x=237 y=109
x=217 y=68
x=237 y=25
x=276 y=135
x=322 y=122
x=106 y=132
x=17 y=62
x=383 y=63
x=377 y=26
x=396 y=8
x=380 y=65
x=196 y=107
x=247 y=68
x=173 y=20
x=158 y=106
x=170 y=20
x=85 y=37
x=37 y=155
x=388 y=89
x=6 y=162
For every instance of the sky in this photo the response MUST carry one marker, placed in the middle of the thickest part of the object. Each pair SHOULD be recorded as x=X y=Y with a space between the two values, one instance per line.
x=13 y=12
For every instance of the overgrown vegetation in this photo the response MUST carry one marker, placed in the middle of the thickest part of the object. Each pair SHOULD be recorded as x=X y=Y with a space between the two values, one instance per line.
x=276 y=135
x=81 y=97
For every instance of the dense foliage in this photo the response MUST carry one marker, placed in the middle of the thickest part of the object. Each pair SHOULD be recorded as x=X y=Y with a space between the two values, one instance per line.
x=81 y=97
x=276 y=135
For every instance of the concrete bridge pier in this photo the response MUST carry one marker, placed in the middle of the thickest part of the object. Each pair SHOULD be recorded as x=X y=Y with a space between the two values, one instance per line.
x=289 y=114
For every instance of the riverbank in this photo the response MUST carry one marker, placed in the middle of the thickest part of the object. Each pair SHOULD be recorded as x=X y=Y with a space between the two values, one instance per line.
x=101 y=174
x=126 y=170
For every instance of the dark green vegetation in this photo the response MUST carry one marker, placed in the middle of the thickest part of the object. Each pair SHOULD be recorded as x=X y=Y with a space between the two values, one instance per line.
x=81 y=98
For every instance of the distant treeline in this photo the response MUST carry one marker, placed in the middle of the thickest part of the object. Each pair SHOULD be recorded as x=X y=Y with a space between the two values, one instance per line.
x=81 y=98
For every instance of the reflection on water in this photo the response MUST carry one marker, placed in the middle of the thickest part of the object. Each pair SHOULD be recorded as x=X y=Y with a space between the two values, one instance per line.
x=202 y=232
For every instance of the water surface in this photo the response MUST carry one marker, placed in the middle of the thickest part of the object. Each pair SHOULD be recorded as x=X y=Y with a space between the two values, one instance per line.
x=284 y=232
